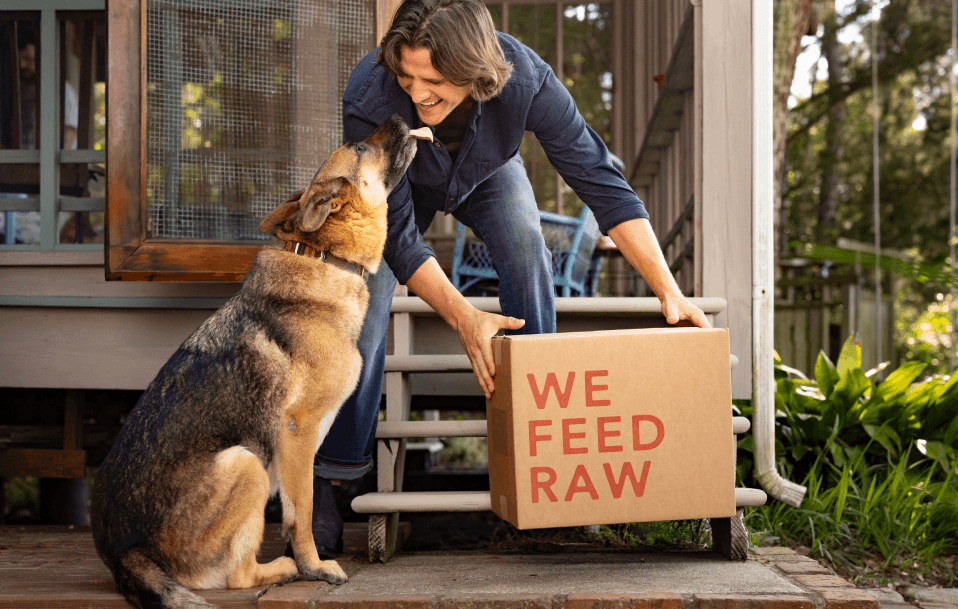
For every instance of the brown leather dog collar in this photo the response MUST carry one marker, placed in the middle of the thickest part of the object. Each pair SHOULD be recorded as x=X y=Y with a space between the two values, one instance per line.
x=304 y=249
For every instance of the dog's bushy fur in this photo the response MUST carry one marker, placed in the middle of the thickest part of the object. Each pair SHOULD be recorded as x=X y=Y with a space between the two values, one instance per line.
x=239 y=410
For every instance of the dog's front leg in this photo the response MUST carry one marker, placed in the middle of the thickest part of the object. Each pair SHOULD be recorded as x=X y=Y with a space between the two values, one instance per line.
x=297 y=448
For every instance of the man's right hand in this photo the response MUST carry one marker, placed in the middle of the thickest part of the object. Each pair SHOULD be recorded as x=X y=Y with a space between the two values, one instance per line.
x=476 y=329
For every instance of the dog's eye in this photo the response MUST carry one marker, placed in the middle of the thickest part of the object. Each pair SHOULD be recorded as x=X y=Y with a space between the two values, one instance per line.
x=360 y=148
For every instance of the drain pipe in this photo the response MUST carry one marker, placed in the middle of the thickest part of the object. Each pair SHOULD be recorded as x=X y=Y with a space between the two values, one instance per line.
x=763 y=264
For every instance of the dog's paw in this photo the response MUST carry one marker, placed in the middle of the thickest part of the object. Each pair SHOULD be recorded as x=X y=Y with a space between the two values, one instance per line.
x=289 y=572
x=327 y=570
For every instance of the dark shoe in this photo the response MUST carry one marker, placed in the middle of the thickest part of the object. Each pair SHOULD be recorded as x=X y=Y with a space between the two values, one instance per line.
x=327 y=519
x=327 y=522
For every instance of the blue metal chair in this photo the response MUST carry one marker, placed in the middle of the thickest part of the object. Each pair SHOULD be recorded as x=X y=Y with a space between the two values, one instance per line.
x=571 y=240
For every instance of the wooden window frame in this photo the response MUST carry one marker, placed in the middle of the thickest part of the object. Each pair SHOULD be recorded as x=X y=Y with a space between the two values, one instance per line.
x=128 y=254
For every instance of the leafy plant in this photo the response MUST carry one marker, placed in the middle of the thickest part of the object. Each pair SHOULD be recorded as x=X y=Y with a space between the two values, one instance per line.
x=878 y=459
x=842 y=415
x=895 y=512
x=665 y=534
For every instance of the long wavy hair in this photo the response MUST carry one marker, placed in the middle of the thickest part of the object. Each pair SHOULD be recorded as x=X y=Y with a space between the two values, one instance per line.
x=459 y=35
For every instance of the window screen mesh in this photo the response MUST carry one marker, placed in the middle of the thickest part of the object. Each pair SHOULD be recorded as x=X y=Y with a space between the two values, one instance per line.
x=243 y=105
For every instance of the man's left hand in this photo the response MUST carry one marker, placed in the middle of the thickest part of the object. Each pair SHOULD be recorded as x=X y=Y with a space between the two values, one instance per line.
x=677 y=308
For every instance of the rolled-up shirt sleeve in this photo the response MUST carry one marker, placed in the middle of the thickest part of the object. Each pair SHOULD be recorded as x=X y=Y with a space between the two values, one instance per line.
x=580 y=156
x=405 y=249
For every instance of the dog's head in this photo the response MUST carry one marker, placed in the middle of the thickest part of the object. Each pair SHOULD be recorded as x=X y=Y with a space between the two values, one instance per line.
x=343 y=210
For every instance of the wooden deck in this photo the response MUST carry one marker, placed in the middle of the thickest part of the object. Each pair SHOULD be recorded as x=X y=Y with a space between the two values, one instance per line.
x=49 y=567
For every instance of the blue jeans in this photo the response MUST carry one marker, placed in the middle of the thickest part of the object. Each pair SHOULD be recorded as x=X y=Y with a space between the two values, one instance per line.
x=502 y=211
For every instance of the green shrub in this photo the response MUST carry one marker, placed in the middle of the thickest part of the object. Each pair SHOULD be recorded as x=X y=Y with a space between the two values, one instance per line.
x=842 y=416
x=878 y=459
x=895 y=513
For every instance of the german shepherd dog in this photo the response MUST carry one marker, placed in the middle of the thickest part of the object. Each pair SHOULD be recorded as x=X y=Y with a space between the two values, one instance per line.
x=240 y=409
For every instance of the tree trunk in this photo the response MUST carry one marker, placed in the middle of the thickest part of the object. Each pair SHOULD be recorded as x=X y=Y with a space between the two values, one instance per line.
x=793 y=19
x=832 y=154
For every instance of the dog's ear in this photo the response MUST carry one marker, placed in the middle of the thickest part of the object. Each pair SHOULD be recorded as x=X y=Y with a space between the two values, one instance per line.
x=317 y=202
x=281 y=214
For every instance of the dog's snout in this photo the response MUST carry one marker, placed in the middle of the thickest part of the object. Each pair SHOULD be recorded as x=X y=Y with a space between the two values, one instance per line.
x=392 y=130
x=394 y=138
x=395 y=121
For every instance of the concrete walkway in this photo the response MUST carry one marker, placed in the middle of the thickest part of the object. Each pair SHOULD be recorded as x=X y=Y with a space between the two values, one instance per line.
x=778 y=579
x=53 y=567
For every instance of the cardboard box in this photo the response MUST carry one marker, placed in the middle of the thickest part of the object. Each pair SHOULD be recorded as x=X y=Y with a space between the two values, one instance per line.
x=610 y=427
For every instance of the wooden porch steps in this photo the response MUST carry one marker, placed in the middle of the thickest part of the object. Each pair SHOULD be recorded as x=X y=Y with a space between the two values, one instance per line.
x=462 y=429
x=447 y=363
x=471 y=501
x=405 y=363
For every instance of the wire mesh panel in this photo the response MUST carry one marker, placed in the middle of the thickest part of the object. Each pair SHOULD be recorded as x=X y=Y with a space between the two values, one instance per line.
x=243 y=106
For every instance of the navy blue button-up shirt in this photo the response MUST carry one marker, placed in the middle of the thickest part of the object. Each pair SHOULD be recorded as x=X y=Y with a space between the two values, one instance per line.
x=532 y=100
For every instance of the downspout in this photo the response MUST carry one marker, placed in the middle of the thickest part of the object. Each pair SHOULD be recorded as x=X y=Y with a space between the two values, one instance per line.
x=763 y=264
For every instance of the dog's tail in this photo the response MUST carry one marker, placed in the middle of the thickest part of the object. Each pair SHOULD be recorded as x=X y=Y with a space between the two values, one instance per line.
x=147 y=586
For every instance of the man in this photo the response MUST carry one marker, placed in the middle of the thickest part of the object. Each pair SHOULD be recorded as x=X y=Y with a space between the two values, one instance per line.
x=27 y=57
x=442 y=64
x=24 y=227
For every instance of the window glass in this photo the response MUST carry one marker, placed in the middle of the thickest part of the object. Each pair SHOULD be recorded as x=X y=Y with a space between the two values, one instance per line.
x=19 y=127
x=70 y=198
x=82 y=123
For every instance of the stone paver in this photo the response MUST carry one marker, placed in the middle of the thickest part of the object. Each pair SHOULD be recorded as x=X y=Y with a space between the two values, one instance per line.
x=935 y=605
x=469 y=574
x=820 y=580
x=623 y=601
x=741 y=601
x=773 y=551
x=807 y=566
x=933 y=595
x=885 y=595
x=848 y=598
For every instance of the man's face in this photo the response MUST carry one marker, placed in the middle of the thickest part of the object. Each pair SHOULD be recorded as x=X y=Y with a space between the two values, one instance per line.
x=28 y=62
x=434 y=96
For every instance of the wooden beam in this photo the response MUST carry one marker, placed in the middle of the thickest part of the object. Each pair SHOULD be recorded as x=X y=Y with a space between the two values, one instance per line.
x=671 y=100
x=73 y=407
x=428 y=429
x=125 y=142
x=42 y=463
x=730 y=537
x=385 y=9
x=428 y=363
x=474 y=501
x=388 y=503
x=51 y=435
x=478 y=428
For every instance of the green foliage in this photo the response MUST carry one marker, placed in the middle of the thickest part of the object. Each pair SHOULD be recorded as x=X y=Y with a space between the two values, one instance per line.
x=684 y=534
x=926 y=333
x=879 y=459
x=585 y=69
x=460 y=452
x=913 y=41
x=895 y=512
x=23 y=492
x=841 y=416
x=464 y=452
x=828 y=188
